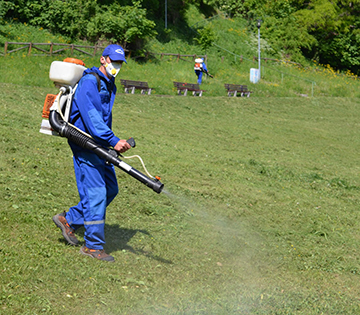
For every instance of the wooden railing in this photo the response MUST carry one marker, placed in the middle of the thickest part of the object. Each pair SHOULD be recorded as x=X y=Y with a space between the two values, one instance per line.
x=50 y=49
x=178 y=56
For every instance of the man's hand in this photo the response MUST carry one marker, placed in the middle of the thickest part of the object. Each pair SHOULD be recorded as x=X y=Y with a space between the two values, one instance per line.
x=122 y=146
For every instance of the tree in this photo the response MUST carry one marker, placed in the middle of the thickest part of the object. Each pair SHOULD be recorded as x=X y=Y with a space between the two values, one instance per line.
x=206 y=37
x=122 y=24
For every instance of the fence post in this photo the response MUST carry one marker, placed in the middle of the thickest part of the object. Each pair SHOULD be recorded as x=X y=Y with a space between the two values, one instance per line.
x=51 y=48
x=312 y=88
x=95 y=49
x=29 y=51
x=5 y=48
x=72 y=49
x=178 y=57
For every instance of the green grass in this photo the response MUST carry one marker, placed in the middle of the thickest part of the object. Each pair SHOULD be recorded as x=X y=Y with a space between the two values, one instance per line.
x=160 y=74
x=259 y=216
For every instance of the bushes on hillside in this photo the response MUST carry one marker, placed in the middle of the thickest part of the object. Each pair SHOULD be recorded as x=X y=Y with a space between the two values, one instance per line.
x=84 y=19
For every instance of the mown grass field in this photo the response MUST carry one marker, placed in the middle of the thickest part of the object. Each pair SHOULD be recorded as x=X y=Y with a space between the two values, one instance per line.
x=260 y=213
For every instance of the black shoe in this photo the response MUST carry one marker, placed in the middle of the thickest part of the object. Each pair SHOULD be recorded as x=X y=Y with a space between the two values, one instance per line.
x=67 y=231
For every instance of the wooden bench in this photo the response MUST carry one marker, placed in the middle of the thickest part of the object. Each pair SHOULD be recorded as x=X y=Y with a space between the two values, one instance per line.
x=234 y=89
x=183 y=88
x=131 y=86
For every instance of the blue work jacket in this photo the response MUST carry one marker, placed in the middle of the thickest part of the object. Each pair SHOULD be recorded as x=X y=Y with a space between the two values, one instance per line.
x=92 y=110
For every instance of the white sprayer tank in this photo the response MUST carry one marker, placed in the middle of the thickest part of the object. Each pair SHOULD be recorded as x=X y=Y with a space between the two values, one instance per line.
x=65 y=73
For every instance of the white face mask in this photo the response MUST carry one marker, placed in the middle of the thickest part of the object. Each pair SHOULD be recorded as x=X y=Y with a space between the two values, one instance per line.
x=112 y=68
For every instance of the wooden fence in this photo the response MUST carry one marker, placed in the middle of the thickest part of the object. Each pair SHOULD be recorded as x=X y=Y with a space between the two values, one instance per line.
x=51 y=49
x=178 y=56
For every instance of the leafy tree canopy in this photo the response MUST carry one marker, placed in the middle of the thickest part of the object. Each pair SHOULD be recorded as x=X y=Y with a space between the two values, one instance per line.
x=327 y=31
x=85 y=19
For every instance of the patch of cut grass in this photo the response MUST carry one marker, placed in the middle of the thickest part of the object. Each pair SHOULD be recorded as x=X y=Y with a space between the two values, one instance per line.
x=260 y=214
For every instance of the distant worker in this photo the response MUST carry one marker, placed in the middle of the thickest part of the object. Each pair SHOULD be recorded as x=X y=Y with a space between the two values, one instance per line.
x=199 y=68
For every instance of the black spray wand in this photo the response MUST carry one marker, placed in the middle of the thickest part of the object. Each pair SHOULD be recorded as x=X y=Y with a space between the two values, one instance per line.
x=74 y=135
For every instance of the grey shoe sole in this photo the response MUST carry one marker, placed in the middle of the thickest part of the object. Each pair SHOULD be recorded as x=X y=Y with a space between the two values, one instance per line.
x=110 y=259
x=63 y=230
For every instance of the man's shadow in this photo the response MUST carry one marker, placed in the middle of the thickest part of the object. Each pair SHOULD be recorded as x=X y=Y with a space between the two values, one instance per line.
x=117 y=238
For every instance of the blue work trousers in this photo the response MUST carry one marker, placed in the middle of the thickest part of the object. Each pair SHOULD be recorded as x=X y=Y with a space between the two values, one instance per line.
x=199 y=75
x=97 y=186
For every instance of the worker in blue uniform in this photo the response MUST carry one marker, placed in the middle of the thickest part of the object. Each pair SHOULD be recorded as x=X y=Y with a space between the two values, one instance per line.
x=96 y=180
x=199 y=68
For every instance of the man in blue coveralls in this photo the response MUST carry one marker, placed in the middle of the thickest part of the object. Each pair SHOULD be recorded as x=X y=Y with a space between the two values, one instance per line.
x=96 y=181
x=199 y=68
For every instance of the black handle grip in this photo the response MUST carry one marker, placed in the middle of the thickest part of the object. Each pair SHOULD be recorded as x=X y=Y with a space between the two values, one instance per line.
x=131 y=141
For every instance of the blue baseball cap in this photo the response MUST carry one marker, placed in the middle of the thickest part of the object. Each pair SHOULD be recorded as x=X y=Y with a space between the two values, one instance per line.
x=115 y=52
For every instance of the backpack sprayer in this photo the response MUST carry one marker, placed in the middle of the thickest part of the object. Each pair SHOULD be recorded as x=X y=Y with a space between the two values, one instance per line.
x=198 y=66
x=56 y=114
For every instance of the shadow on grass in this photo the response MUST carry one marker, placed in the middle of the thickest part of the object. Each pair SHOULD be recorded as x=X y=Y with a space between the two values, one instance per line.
x=117 y=238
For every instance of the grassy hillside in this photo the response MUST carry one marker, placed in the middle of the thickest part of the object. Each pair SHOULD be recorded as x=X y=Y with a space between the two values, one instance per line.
x=229 y=60
x=279 y=81
x=259 y=215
